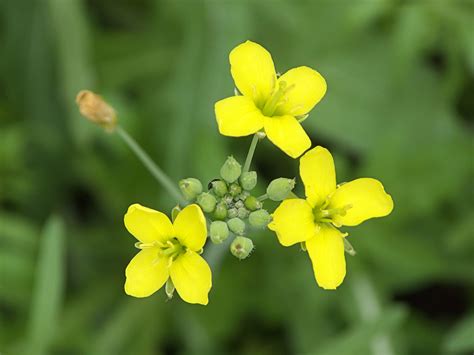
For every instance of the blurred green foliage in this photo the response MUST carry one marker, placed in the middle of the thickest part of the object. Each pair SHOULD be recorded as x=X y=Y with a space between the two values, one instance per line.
x=399 y=108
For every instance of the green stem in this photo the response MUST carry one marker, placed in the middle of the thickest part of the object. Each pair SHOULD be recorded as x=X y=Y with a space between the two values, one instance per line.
x=252 y=147
x=263 y=197
x=154 y=169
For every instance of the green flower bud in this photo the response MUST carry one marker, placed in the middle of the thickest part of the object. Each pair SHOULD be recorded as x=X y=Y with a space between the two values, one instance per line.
x=239 y=204
x=248 y=180
x=219 y=187
x=190 y=188
x=243 y=195
x=236 y=225
x=279 y=188
x=228 y=199
x=235 y=189
x=241 y=247
x=207 y=202
x=174 y=212
x=259 y=218
x=252 y=203
x=231 y=170
x=242 y=213
x=221 y=211
x=232 y=212
x=219 y=231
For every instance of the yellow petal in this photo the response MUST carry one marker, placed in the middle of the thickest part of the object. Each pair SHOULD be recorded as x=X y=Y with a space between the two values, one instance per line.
x=148 y=225
x=190 y=227
x=367 y=199
x=238 y=116
x=307 y=89
x=253 y=71
x=293 y=222
x=287 y=134
x=192 y=278
x=146 y=273
x=326 y=251
x=318 y=175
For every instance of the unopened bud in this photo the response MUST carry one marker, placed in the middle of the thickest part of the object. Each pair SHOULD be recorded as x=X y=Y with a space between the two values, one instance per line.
x=235 y=189
x=220 y=212
x=231 y=170
x=241 y=247
x=236 y=225
x=252 y=203
x=219 y=231
x=95 y=109
x=243 y=195
x=207 y=202
x=248 y=180
x=239 y=204
x=242 y=213
x=190 y=188
x=279 y=188
x=228 y=199
x=259 y=218
x=219 y=187
x=232 y=213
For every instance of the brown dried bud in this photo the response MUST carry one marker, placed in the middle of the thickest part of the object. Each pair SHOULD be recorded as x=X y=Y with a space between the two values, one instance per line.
x=96 y=110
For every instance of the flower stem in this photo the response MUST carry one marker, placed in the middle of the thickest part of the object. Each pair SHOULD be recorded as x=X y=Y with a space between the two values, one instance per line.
x=262 y=197
x=252 y=147
x=154 y=169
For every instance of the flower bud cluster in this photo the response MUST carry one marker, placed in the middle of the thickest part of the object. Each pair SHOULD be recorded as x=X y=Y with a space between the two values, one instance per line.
x=230 y=205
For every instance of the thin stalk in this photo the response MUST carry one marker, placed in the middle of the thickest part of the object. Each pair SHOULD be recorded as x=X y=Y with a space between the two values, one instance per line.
x=154 y=169
x=262 y=197
x=252 y=147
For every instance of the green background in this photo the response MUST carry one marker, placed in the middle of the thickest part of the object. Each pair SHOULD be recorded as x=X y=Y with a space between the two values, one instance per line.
x=399 y=108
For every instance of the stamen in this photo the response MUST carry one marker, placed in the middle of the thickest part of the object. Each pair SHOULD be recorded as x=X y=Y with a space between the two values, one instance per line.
x=140 y=245
x=321 y=214
x=276 y=99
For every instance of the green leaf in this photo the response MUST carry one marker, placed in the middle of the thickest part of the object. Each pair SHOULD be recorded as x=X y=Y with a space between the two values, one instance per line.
x=461 y=336
x=369 y=335
x=48 y=289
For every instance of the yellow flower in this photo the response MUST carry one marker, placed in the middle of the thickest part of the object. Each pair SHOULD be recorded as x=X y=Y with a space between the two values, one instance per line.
x=326 y=207
x=269 y=102
x=168 y=250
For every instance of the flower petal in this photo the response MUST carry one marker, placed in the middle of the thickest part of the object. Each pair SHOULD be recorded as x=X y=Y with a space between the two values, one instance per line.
x=308 y=88
x=190 y=227
x=318 y=174
x=367 y=199
x=253 y=71
x=293 y=222
x=287 y=134
x=326 y=251
x=147 y=225
x=192 y=277
x=238 y=116
x=146 y=273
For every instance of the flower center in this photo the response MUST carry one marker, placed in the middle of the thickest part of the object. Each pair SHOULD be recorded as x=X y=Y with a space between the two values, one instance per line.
x=172 y=248
x=323 y=214
x=277 y=99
